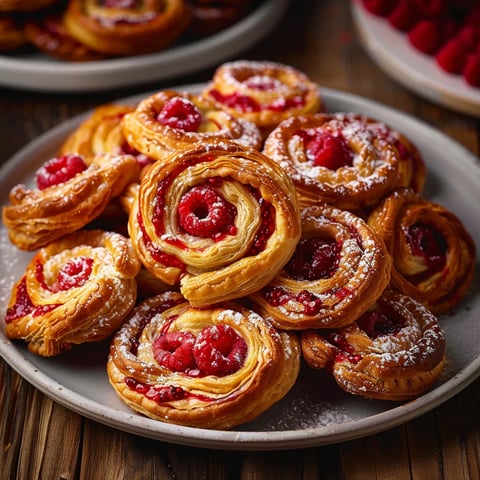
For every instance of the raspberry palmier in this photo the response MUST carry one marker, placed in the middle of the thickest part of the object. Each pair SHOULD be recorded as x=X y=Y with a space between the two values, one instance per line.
x=75 y=290
x=214 y=367
x=68 y=196
x=337 y=271
x=433 y=254
x=101 y=132
x=334 y=160
x=119 y=27
x=169 y=120
x=221 y=219
x=394 y=351
x=264 y=93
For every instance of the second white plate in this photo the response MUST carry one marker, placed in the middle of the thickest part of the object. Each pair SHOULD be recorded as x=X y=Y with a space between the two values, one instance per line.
x=390 y=49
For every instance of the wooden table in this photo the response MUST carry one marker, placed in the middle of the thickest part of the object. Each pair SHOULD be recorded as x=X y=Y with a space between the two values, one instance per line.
x=42 y=440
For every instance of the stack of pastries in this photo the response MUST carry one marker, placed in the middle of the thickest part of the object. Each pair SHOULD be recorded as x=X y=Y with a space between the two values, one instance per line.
x=89 y=30
x=223 y=240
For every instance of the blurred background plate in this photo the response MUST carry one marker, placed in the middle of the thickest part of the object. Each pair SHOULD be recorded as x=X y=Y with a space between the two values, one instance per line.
x=418 y=72
x=39 y=72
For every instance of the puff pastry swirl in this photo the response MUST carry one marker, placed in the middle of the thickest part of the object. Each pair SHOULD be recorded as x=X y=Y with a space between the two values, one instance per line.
x=220 y=219
x=334 y=160
x=170 y=120
x=339 y=268
x=214 y=367
x=433 y=253
x=395 y=351
x=75 y=290
x=34 y=217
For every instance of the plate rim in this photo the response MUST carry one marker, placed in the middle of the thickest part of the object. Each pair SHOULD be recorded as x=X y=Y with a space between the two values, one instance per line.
x=239 y=440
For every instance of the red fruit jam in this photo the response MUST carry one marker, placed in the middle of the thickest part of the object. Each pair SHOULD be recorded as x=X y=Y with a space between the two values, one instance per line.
x=217 y=350
x=314 y=259
x=120 y=3
x=325 y=149
x=58 y=170
x=376 y=324
x=267 y=227
x=427 y=242
x=345 y=351
x=180 y=113
x=278 y=296
x=203 y=212
x=74 y=273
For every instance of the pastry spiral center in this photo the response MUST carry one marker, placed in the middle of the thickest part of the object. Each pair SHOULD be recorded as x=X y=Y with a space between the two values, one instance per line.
x=376 y=324
x=180 y=113
x=203 y=212
x=427 y=242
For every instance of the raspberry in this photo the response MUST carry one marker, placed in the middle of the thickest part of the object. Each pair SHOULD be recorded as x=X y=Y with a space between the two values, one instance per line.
x=376 y=324
x=325 y=149
x=74 y=273
x=404 y=15
x=426 y=36
x=471 y=72
x=379 y=7
x=205 y=213
x=219 y=350
x=59 y=170
x=469 y=35
x=452 y=56
x=174 y=350
x=181 y=114
x=431 y=8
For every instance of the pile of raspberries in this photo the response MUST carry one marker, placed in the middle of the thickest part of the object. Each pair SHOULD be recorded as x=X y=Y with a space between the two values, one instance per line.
x=448 y=30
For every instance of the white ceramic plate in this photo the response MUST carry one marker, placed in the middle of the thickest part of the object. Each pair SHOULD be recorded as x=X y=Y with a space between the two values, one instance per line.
x=316 y=411
x=42 y=73
x=390 y=49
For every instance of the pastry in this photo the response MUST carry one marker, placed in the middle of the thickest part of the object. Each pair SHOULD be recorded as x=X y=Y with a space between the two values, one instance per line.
x=212 y=16
x=47 y=33
x=221 y=219
x=394 y=351
x=75 y=290
x=68 y=196
x=169 y=120
x=12 y=35
x=334 y=160
x=126 y=27
x=101 y=132
x=25 y=5
x=433 y=254
x=337 y=271
x=264 y=93
x=215 y=367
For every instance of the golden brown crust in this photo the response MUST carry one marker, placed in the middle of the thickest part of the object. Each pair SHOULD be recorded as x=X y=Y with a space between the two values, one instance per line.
x=264 y=93
x=158 y=139
x=438 y=278
x=36 y=217
x=249 y=239
x=356 y=167
x=369 y=359
x=300 y=297
x=146 y=28
x=263 y=372
x=75 y=290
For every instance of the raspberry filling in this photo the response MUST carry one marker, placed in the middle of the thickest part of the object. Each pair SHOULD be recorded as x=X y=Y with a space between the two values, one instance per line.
x=428 y=243
x=24 y=306
x=58 y=170
x=181 y=114
x=263 y=83
x=313 y=259
x=203 y=212
x=325 y=149
x=345 y=351
x=376 y=324
x=74 y=273
x=217 y=350
x=279 y=296
x=120 y=3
